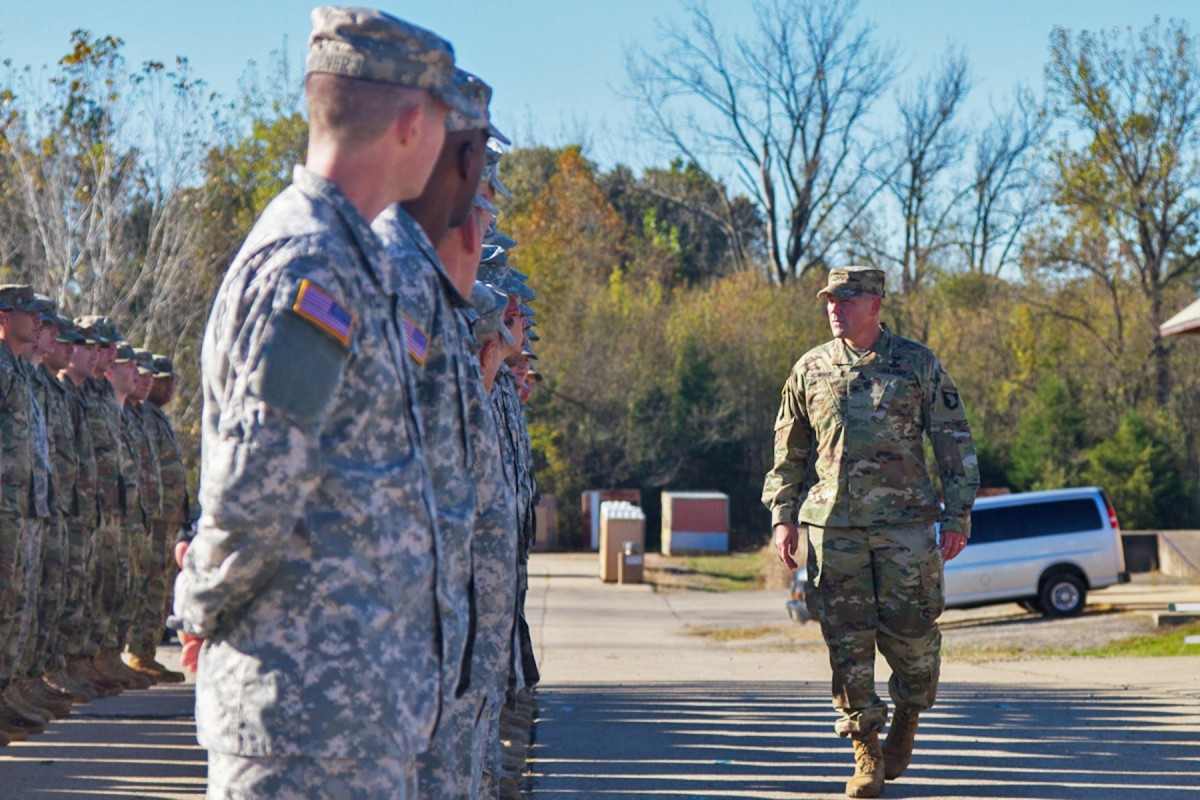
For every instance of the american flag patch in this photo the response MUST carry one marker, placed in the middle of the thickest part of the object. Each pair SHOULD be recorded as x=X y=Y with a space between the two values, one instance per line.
x=415 y=340
x=318 y=307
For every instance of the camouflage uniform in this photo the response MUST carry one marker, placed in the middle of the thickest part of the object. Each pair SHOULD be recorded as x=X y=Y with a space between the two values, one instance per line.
x=144 y=459
x=36 y=609
x=174 y=514
x=312 y=572
x=103 y=426
x=81 y=529
x=62 y=554
x=495 y=547
x=16 y=469
x=440 y=366
x=850 y=463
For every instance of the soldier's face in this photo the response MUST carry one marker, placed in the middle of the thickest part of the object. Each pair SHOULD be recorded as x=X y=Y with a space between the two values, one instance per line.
x=83 y=359
x=22 y=328
x=59 y=356
x=45 y=339
x=853 y=318
x=141 y=386
x=123 y=376
x=104 y=358
x=162 y=390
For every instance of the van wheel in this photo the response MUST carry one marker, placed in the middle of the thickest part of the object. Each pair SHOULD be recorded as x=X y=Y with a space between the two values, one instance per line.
x=1062 y=595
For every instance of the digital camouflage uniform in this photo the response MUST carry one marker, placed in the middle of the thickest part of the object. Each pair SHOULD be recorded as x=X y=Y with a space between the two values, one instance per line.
x=495 y=547
x=850 y=464
x=148 y=630
x=312 y=571
x=440 y=363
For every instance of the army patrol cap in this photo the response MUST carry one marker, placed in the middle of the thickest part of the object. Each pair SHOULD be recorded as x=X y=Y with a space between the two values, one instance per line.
x=163 y=368
x=482 y=202
x=491 y=171
x=527 y=352
x=480 y=96
x=533 y=373
x=145 y=360
x=496 y=238
x=848 y=282
x=44 y=306
x=370 y=45
x=68 y=332
x=489 y=304
x=98 y=329
x=18 y=297
x=125 y=353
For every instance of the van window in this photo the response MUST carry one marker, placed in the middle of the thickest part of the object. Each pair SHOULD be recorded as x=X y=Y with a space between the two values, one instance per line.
x=1034 y=519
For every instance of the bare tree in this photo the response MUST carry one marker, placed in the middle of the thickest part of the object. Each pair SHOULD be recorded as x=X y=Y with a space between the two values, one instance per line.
x=1008 y=189
x=787 y=107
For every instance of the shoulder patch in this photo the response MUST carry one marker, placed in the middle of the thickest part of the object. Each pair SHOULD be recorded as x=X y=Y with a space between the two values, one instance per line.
x=416 y=340
x=950 y=399
x=318 y=307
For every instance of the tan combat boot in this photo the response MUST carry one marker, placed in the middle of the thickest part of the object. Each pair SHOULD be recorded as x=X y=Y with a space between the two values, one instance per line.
x=897 y=750
x=149 y=666
x=868 y=766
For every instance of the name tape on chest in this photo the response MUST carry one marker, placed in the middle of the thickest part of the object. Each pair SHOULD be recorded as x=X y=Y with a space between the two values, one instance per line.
x=318 y=307
x=415 y=340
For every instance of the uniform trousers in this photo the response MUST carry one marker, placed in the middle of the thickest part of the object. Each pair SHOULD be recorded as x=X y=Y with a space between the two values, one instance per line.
x=877 y=587
x=250 y=778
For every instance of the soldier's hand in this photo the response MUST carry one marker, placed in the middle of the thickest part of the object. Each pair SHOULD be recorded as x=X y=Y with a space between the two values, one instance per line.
x=191 y=650
x=787 y=539
x=953 y=543
x=180 y=549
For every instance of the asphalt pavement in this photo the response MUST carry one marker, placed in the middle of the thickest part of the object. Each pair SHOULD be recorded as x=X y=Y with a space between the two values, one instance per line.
x=636 y=704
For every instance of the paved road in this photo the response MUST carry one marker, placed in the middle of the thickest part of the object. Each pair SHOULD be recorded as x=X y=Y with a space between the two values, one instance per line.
x=635 y=704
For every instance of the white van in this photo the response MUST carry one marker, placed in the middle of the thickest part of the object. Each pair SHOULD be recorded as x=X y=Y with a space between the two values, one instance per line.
x=1042 y=550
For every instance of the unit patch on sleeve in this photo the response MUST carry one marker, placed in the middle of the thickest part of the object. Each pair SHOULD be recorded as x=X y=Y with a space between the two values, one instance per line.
x=415 y=340
x=318 y=307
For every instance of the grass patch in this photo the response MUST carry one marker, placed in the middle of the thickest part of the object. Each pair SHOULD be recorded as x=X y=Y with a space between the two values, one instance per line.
x=731 y=573
x=1170 y=642
x=737 y=634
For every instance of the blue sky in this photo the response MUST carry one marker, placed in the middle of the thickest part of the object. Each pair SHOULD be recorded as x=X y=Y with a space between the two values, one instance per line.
x=557 y=65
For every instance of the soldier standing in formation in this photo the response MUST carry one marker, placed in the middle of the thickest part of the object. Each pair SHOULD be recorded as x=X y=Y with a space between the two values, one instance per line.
x=69 y=583
x=850 y=464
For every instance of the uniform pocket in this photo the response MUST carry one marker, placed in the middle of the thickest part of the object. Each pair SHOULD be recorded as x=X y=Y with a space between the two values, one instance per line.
x=933 y=599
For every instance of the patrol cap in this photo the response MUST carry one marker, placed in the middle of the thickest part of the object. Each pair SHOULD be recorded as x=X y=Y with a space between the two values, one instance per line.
x=491 y=170
x=527 y=352
x=18 y=297
x=489 y=304
x=125 y=353
x=68 y=331
x=527 y=311
x=848 y=282
x=532 y=334
x=44 y=306
x=145 y=360
x=498 y=239
x=533 y=373
x=480 y=96
x=482 y=202
x=163 y=367
x=368 y=44
x=98 y=329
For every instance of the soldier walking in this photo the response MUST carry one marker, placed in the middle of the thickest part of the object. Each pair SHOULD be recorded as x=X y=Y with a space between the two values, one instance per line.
x=850 y=464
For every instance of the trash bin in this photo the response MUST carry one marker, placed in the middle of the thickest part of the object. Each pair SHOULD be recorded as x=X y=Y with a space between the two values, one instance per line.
x=620 y=522
x=629 y=570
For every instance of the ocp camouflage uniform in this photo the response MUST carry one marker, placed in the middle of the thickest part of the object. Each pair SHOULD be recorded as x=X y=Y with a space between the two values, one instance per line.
x=440 y=365
x=62 y=556
x=103 y=424
x=136 y=524
x=16 y=471
x=312 y=571
x=36 y=610
x=81 y=529
x=148 y=630
x=850 y=464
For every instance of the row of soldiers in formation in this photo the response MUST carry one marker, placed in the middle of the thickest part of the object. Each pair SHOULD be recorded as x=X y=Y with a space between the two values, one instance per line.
x=94 y=495
x=353 y=598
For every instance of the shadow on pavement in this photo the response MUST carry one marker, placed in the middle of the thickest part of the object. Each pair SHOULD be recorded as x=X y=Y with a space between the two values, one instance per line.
x=775 y=740
x=136 y=745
